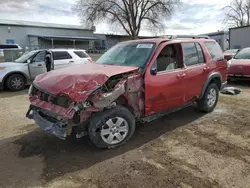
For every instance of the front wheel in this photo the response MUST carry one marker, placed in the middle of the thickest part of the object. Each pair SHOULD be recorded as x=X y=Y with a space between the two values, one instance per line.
x=16 y=82
x=209 y=101
x=112 y=127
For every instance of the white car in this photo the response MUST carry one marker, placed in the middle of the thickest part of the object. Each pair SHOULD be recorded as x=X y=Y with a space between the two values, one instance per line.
x=16 y=75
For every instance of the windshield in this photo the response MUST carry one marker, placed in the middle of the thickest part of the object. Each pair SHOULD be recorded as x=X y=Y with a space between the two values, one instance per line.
x=127 y=54
x=243 y=54
x=25 y=57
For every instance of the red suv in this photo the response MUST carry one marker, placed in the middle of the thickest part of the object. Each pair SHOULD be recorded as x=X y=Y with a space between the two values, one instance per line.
x=137 y=80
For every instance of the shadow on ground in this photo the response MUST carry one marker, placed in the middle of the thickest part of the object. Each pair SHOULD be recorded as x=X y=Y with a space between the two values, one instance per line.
x=239 y=83
x=6 y=93
x=61 y=157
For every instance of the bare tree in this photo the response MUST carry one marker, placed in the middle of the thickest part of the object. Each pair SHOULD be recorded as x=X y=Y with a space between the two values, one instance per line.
x=131 y=15
x=238 y=13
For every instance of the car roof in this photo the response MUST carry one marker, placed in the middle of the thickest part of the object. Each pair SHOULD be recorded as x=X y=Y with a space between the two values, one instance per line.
x=65 y=49
x=160 y=40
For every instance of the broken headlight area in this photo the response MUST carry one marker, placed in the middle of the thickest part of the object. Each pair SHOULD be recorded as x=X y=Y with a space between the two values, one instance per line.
x=60 y=100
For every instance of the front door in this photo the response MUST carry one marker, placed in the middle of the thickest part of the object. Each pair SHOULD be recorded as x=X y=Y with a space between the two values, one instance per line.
x=196 y=70
x=37 y=65
x=164 y=80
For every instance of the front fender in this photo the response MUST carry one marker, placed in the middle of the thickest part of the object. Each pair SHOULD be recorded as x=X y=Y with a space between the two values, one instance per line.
x=213 y=76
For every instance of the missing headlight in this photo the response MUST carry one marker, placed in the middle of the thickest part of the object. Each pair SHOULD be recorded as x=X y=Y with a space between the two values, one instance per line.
x=63 y=101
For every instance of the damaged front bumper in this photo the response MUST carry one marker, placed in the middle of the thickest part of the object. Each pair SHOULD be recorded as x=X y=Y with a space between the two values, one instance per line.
x=58 y=128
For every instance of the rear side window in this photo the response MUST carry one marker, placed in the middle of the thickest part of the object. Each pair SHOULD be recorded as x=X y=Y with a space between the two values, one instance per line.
x=190 y=54
x=81 y=54
x=61 y=55
x=214 y=50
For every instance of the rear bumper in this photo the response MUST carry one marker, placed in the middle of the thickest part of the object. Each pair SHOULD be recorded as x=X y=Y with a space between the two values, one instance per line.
x=238 y=77
x=57 y=128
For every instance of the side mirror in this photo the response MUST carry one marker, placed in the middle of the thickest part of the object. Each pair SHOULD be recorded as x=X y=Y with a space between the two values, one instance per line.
x=153 y=71
x=28 y=61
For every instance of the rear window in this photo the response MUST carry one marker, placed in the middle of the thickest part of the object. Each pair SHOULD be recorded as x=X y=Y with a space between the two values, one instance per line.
x=81 y=54
x=61 y=55
x=215 y=50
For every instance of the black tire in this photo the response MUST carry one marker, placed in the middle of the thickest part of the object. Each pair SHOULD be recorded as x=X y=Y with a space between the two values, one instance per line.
x=98 y=121
x=11 y=79
x=203 y=103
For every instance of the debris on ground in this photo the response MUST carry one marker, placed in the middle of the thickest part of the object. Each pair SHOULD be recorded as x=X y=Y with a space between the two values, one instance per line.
x=231 y=90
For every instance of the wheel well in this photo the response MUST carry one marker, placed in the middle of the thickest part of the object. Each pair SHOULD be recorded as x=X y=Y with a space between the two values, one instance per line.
x=217 y=81
x=122 y=101
x=7 y=76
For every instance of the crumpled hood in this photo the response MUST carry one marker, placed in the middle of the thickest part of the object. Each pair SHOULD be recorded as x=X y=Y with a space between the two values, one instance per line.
x=79 y=81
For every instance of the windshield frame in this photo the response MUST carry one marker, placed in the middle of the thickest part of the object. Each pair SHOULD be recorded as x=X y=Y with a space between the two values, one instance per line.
x=32 y=54
x=240 y=52
x=142 y=67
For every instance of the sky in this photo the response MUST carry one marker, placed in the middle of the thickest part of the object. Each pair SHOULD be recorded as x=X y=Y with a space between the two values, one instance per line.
x=193 y=17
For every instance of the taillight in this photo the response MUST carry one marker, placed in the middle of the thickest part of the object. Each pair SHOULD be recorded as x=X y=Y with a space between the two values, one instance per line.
x=89 y=59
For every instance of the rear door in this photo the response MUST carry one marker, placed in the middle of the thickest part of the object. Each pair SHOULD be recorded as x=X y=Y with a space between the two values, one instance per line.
x=37 y=65
x=62 y=59
x=196 y=70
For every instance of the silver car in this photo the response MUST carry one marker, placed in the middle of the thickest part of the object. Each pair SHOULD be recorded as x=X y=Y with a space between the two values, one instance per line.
x=16 y=75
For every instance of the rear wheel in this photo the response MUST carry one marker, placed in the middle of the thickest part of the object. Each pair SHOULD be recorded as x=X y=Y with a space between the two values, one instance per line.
x=210 y=98
x=16 y=82
x=112 y=127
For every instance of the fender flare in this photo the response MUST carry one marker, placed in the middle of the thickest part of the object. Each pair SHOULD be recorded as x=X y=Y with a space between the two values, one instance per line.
x=211 y=77
x=15 y=72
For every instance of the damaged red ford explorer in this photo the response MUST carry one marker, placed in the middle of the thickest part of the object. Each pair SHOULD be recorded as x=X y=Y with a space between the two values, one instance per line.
x=138 y=80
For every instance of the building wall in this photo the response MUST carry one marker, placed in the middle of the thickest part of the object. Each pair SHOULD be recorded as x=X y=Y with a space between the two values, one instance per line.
x=239 y=37
x=20 y=33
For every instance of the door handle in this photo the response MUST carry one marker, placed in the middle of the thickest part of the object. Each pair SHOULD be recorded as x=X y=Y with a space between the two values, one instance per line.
x=206 y=68
x=181 y=75
x=39 y=65
x=71 y=61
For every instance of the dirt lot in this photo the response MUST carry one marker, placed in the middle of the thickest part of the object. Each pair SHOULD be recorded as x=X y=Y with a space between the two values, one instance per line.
x=185 y=149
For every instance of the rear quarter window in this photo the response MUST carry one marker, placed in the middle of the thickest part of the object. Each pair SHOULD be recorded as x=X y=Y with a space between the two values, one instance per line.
x=215 y=50
x=81 y=54
x=61 y=55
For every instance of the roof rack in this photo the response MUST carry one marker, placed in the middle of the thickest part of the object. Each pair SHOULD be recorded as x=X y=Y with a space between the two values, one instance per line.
x=186 y=36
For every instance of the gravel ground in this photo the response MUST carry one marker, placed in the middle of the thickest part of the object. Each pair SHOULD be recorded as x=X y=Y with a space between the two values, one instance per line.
x=185 y=149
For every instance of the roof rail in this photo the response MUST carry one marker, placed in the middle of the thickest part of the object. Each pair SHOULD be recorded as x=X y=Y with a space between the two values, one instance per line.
x=186 y=36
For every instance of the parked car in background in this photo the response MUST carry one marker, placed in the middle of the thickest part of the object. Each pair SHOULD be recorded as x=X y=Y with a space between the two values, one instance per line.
x=134 y=80
x=10 y=46
x=240 y=65
x=228 y=54
x=16 y=75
